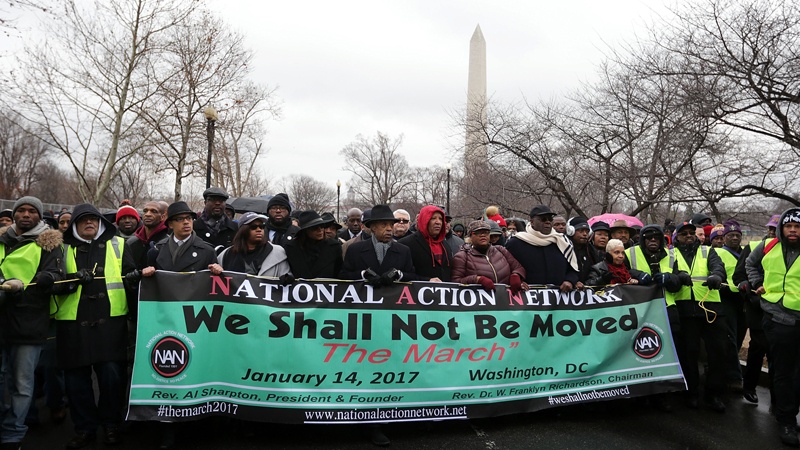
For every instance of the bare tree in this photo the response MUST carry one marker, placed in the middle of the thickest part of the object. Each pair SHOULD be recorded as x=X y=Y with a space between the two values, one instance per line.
x=308 y=193
x=21 y=153
x=209 y=68
x=241 y=140
x=380 y=171
x=744 y=58
x=86 y=82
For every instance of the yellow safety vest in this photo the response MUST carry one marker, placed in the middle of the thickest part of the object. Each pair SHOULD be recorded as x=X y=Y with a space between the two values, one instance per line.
x=729 y=259
x=699 y=273
x=778 y=280
x=22 y=263
x=639 y=262
x=68 y=304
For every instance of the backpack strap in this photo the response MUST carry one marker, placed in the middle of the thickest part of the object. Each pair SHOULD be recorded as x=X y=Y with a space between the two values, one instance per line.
x=770 y=245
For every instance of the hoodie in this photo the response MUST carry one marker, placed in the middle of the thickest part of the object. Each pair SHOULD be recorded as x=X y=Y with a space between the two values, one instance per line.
x=431 y=258
x=755 y=272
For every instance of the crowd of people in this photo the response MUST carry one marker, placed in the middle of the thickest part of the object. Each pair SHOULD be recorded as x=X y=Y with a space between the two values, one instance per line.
x=74 y=276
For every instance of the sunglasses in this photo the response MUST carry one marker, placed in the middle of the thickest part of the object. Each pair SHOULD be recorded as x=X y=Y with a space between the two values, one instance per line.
x=686 y=234
x=403 y=221
x=255 y=226
x=650 y=237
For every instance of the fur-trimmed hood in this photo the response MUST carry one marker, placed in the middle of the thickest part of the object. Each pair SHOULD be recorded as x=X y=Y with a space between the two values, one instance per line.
x=48 y=239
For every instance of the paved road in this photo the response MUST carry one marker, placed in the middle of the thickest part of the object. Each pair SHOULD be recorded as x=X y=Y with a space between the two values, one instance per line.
x=619 y=424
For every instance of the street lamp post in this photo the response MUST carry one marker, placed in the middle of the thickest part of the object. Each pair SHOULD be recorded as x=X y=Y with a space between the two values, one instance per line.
x=338 y=192
x=447 y=205
x=211 y=119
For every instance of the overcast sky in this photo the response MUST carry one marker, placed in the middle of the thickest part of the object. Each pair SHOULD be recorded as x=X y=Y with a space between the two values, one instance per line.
x=351 y=67
x=356 y=67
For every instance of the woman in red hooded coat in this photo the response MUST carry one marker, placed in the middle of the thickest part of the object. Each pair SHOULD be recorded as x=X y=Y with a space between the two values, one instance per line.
x=431 y=258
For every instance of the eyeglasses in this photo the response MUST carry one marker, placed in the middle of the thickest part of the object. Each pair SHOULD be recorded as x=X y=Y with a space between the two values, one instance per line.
x=403 y=221
x=481 y=233
x=182 y=219
x=255 y=226
x=278 y=208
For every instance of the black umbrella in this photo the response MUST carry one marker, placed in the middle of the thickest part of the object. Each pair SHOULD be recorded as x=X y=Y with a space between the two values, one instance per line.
x=249 y=204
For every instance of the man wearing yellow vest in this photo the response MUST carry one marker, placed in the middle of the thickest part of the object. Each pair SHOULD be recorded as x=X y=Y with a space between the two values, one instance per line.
x=91 y=325
x=30 y=253
x=701 y=272
x=774 y=274
x=732 y=301
x=651 y=255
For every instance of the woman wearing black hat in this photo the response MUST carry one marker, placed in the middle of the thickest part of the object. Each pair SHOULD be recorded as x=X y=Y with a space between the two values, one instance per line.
x=310 y=254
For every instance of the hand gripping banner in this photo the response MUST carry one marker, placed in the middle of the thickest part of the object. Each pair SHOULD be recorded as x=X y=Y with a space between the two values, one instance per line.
x=332 y=351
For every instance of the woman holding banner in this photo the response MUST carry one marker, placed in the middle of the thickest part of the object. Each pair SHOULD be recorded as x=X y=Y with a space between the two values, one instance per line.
x=482 y=263
x=251 y=252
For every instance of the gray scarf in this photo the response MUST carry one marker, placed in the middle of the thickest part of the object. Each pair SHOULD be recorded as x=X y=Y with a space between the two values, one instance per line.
x=380 y=248
x=175 y=250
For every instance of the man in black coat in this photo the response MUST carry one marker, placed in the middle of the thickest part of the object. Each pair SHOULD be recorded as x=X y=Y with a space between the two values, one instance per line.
x=152 y=230
x=379 y=259
x=279 y=226
x=213 y=225
x=183 y=251
x=431 y=257
x=578 y=232
x=547 y=256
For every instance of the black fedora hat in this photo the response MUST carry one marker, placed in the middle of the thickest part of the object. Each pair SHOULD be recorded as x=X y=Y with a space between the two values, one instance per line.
x=179 y=208
x=330 y=220
x=380 y=213
x=309 y=219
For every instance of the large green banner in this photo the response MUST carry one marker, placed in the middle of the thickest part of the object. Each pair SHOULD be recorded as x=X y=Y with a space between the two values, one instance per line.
x=332 y=351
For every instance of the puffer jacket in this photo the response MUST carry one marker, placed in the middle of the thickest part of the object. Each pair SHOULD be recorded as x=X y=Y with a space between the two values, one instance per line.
x=496 y=264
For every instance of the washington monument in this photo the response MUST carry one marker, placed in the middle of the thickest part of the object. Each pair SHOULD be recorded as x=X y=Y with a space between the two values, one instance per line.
x=475 y=150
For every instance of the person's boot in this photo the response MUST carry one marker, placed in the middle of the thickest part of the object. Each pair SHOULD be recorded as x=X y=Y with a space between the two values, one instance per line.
x=377 y=437
x=750 y=396
x=788 y=435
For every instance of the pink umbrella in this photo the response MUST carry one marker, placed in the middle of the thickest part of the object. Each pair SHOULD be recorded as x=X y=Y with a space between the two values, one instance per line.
x=610 y=218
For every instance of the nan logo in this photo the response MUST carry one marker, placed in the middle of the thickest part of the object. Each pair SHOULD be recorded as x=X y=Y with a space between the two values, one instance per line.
x=647 y=344
x=169 y=357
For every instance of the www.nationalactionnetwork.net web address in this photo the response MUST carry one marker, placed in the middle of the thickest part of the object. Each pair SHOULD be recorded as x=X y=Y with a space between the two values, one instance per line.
x=385 y=415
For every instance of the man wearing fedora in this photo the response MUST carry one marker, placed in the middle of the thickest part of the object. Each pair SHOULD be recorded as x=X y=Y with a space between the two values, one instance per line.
x=182 y=250
x=213 y=225
x=620 y=230
x=379 y=259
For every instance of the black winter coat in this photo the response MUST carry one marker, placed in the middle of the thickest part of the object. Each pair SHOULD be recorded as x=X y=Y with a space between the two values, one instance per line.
x=543 y=265
x=422 y=258
x=221 y=240
x=25 y=316
x=361 y=256
x=193 y=259
x=314 y=259
x=94 y=336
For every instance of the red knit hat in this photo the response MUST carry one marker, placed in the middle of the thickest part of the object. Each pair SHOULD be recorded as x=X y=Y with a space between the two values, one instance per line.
x=127 y=211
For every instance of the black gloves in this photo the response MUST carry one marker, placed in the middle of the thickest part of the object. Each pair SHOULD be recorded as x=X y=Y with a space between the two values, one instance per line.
x=644 y=279
x=134 y=276
x=286 y=279
x=83 y=276
x=713 y=282
x=684 y=278
x=44 y=280
x=371 y=277
x=390 y=277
